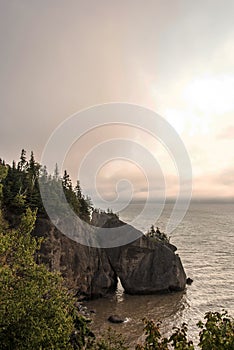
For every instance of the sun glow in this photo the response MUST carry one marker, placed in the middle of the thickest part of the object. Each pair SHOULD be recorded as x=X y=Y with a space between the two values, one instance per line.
x=199 y=102
x=211 y=95
x=189 y=121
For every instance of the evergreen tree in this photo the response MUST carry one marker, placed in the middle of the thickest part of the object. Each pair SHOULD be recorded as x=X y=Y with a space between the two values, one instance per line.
x=20 y=189
x=56 y=172
x=14 y=192
x=32 y=186
x=43 y=174
x=77 y=190
x=70 y=193
x=3 y=174
x=22 y=165
x=67 y=184
x=85 y=203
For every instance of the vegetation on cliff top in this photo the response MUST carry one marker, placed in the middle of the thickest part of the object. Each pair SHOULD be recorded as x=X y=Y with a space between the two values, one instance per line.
x=19 y=188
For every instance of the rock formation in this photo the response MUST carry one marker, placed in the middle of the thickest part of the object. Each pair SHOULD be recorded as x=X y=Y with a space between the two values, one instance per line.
x=144 y=266
x=147 y=266
x=86 y=270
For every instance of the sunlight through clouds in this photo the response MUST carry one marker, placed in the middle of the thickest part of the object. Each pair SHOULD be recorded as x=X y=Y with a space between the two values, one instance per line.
x=211 y=94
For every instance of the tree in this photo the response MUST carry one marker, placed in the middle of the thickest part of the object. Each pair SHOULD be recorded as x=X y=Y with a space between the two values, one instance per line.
x=22 y=165
x=67 y=184
x=32 y=184
x=36 y=310
x=217 y=333
x=84 y=202
x=110 y=340
x=43 y=173
x=70 y=194
x=14 y=189
x=152 y=231
x=56 y=172
x=153 y=340
x=77 y=190
x=3 y=174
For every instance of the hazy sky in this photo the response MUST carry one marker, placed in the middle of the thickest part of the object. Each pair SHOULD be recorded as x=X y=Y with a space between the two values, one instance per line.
x=175 y=57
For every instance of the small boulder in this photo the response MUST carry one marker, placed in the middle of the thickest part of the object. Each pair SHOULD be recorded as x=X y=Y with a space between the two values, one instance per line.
x=189 y=281
x=116 y=319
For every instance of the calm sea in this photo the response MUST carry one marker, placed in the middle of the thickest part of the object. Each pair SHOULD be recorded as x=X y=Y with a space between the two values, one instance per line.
x=205 y=242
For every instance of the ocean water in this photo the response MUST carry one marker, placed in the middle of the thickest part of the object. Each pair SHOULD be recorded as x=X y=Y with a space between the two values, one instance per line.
x=205 y=242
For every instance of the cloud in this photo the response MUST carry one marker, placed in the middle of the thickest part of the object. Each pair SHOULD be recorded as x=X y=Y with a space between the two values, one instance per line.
x=226 y=177
x=56 y=60
x=211 y=94
x=218 y=184
x=227 y=133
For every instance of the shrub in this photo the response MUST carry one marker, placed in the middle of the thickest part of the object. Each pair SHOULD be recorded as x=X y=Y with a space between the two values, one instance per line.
x=217 y=333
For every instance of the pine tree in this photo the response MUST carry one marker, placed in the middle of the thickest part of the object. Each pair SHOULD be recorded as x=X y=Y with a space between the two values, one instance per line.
x=85 y=203
x=33 y=191
x=77 y=190
x=56 y=172
x=43 y=173
x=67 y=184
x=3 y=174
x=22 y=164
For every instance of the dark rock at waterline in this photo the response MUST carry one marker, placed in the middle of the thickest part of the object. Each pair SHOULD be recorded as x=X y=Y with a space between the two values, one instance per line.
x=144 y=266
x=189 y=281
x=116 y=319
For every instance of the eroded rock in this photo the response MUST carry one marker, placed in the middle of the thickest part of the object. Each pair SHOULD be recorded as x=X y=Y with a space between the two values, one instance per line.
x=144 y=266
x=86 y=270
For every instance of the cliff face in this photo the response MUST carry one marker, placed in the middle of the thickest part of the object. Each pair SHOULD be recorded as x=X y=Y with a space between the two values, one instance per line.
x=86 y=270
x=144 y=266
x=147 y=267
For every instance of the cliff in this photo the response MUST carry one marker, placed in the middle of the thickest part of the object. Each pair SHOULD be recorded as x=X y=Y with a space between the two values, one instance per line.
x=144 y=266
x=86 y=270
x=147 y=266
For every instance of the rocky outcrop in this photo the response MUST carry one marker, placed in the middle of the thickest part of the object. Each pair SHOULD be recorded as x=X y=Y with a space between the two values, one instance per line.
x=144 y=266
x=86 y=270
x=147 y=266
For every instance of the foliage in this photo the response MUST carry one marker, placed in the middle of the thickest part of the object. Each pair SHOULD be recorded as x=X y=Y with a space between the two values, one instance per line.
x=110 y=340
x=36 y=310
x=179 y=339
x=217 y=332
x=82 y=338
x=157 y=235
x=153 y=340
x=19 y=189
x=3 y=174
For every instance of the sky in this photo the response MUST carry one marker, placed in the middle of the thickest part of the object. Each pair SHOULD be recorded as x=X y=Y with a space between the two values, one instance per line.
x=176 y=58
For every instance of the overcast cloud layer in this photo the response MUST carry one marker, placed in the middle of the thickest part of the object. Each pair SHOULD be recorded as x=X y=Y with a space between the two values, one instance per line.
x=175 y=57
